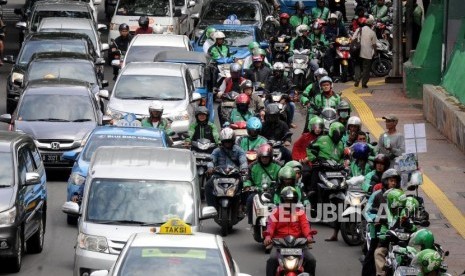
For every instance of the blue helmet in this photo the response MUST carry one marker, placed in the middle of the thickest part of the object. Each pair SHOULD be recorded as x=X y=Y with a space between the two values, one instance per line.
x=254 y=124
x=360 y=151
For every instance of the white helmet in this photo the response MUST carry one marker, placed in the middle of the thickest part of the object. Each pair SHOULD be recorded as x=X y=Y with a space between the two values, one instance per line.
x=227 y=134
x=333 y=16
x=354 y=120
x=278 y=66
x=156 y=106
x=157 y=29
x=301 y=28
x=218 y=34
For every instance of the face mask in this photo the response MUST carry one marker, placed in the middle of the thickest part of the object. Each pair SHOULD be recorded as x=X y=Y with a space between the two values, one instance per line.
x=344 y=114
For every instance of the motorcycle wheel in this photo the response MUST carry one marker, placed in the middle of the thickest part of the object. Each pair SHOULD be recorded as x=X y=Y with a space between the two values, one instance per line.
x=202 y=182
x=257 y=233
x=381 y=67
x=349 y=233
x=344 y=73
x=224 y=219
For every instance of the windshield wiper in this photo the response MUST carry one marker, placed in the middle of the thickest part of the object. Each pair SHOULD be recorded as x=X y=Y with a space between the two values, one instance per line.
x=140 y=98
x=51 y=120
x=123 y=221
x=82 y=120
x=172 y=99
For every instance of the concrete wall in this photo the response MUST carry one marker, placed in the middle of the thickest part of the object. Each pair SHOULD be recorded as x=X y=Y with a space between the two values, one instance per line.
x=446 y=113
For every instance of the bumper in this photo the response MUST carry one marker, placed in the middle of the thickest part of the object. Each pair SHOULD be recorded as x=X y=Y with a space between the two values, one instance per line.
x=88 y=261
x=7 y=240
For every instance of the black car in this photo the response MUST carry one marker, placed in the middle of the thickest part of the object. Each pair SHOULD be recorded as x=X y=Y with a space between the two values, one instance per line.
x=43 y=43
x=58 y=114
x=23 y=198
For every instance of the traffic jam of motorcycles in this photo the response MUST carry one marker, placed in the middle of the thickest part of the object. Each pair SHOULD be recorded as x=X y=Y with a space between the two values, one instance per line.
x=199 y=131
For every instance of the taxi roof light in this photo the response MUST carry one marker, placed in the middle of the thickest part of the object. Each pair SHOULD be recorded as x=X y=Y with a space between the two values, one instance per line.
x=175 y=226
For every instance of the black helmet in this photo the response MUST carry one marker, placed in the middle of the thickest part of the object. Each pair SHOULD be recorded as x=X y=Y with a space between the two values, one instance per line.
x=289 y=195
x=143 y=21
x=300 y=5
x=123 y=26
x=382 y=159
x=272 y=109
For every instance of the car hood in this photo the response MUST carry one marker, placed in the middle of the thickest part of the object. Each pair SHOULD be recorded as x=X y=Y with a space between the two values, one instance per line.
x=56 y=130
x=6 y=198
x=141 y=107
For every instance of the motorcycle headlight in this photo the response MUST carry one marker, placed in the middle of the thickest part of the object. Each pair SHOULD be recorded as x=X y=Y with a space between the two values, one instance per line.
x=281 y=39
x=182 y=116
x=299 y=61
x=8 y=217
x=291 y=263
x=93 y=243
x=203 y=146
x=17 y=76
x=76 y=179
x=403 y=236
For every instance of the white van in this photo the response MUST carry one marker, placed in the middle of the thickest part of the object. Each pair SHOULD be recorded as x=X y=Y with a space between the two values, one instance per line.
x=130 y=190
x=161 y=12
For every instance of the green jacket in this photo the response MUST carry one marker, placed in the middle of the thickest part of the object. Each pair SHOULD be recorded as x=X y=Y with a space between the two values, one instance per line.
x=292 y=44
x=309 y=93
x=356 y=170
x=277 y=196
x=317 y=12
x=217 y=52
x=324 y=148
x=164 y=124
x=248 y=144
x=200 y=132
x=320 y=102
x=297 y=20
x=236 y=116
x=320 y=38
x=380 y=13
x=366 y=186
x=260 y=174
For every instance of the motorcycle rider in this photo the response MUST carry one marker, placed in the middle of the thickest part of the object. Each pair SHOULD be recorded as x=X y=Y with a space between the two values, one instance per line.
x=299 y=18
x=354 y=125
x=253 y=140
x=288 y=178
x=359 y=18
x=380 y=12
x=429 y=261
x=202 y=128
x=254 y=49
x=340 y=6
x=226 y=155
x=332 y=31
x=241 y=112
x=155 y=118
x=282 y=223
x=232 y=83
x=120 y=43
x=317 y=37
x=209 y=41
x=297 y=167
x=314 y=130
x=274 y=128
x=422 y=239
x=381 y=164
x=262 y=171
x=285 y=28
x=359 y=164
x=219 y=51
x=144 y=26
x=258 y=72
x=327 y=97
x=391 y=143
x=320 y=11
x=303 y=42
x=313 y=89
x=343 y=112
x=256 y=103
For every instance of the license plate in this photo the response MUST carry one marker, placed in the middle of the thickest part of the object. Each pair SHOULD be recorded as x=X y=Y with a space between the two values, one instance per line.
x=291 y=251
x=344 y=48
x=52 y=158
x=408 y=270
x=334 y=174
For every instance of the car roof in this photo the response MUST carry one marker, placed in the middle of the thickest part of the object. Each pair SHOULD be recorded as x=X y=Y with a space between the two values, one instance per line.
x=66 y=23
x=134 y=131
x=149 y=163
x=7 y=138
x=160 y=40
x=61 y=6
x=154 y=68
x=196 y=240
x=181 y=56
x=58 y=87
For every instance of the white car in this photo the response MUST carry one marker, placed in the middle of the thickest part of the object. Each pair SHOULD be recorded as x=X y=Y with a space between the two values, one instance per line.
x=174 y=250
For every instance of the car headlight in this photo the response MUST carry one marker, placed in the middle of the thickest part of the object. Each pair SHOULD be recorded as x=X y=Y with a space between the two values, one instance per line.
x=182 y=116
x=8 y=217
x=17 y=76
x=93 y=243
x=114 y=26
x=76 y=179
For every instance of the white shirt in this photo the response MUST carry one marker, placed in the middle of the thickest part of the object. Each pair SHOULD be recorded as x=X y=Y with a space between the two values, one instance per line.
x=367 y=40
x=207 y=44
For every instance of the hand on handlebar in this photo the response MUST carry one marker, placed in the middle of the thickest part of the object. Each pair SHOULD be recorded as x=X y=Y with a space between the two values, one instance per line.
x=267 y=241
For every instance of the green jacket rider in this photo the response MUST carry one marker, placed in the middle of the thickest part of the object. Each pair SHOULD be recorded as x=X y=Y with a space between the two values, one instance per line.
x=287 y=177
x=380 y=11
x=252 y=141
x=156 y=120
x=202 y=128
x=219 y=49
x=328 y=147
x=320 y=11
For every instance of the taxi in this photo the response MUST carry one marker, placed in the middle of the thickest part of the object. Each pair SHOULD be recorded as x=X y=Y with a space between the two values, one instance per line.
x=174 y=250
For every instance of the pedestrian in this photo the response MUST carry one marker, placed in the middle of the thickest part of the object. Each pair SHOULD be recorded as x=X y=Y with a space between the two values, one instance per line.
x=367 y=50
x=391 y=143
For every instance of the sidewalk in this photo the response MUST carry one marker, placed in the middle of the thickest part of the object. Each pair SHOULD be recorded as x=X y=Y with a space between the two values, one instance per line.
x=443 y=164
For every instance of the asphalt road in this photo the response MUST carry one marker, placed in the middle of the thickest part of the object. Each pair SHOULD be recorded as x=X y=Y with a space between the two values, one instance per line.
x=335 y=258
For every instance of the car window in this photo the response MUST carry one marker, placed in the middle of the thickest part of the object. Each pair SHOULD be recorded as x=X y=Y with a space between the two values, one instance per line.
x=229 y=259
x=50 y=107
x=22 y=166
x=172 y=261
x=90 y=33
x=30 y=166
x=62 y=70
x=35 y=155
x=121 y=200
x=236 y=38
x=221 y=10
x=41 y=46
x=190 y=82
x=6 y=169
x=142 y=87
x=39 y=15
x=143 y=7
x=146 y=53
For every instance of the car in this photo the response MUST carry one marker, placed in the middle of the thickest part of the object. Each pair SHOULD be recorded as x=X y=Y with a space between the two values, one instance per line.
x=288 y=6
x=201 y=70
x=58 y=114
x=220 y=11
x=106 y=136
x=193 y=253
x=145 y=47
x=140 y=83
x=130 y=190
x=41 y=43
x=23 y=198
x=162 y=13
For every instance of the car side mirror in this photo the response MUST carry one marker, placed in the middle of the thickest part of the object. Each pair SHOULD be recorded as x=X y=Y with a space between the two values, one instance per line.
x=106 y=120
x=99 y=61
x=244 y=274
x=177 y=13
x=208 y=212
x=71 y=208
x=21 y=25
x=97 y=2
x=191 y=4
x=5 y=118
x=196 y=96
x=104 y=94
x=101 y=27
x=70 y=155
x=105 y=46
x=195 y=16
x=104 y=83
x=99 y=273
x=32 y=178
x=9 y=59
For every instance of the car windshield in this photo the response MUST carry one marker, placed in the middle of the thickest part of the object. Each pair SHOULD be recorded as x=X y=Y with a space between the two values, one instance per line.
x=147 y=53
x=148 y=202
x=143 y=7
x=150 y=87
x=221 y=10
x=38 y=16
x=62 y=70
x=90 y=33
x=56 y=108
x=99 y=140
x=236 y=38
x=172 y=261
x=6 y=169
x=41 y=46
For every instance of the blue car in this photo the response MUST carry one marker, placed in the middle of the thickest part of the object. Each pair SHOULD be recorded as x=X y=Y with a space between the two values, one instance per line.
x=288 y=6
x=106 y=136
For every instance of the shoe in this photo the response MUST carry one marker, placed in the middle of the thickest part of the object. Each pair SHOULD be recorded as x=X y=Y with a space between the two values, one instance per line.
x=364 y=86
x=356 y=84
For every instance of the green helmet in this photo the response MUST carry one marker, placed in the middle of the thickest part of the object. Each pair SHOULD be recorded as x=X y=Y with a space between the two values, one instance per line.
x=336 y=131
x=209 y=32
x=422 y=239
x=315 y=123
x=286 y=173
x=428 y=260
x=253 y=45
x=396 y=198
x=259 y=51
x=294 y=165
x=411 y=205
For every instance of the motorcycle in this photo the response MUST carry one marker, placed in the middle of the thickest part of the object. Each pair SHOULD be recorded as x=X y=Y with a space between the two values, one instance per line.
x=342 y=45
x=300 y=71
x=228 y=102
x=281 y=99
x=355 y=200
x=278 y=148
x=382 y=61
x=262 y=207
x=226 y=190
x=116 y=56
x=281 y=49
x=202 y=150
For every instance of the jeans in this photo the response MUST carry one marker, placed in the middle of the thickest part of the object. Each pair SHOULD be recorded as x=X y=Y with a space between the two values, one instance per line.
x=290 y=112
x=362 y=70
x=272 y=263
x=249 y=204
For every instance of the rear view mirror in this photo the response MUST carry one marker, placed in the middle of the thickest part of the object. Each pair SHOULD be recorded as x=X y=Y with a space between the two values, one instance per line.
x=195 y=16
x=104 y=83
x=196 y=96
x=115 y=63
x=5 y=118
x=208 y=212
x=105 y=46
x=106 y=120
x=71 y=208
x=21 y=25
x=264 y=45
x=191 y=4
x=101 y=27
x=32 y=178
x=104 y=94
x=99 y=61
x=97 y=2
x=99 y=273
x=3 y=2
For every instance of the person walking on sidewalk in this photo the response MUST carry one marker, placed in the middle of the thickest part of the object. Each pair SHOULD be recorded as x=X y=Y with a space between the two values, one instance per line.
x=367 y=50
x=391 y=143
